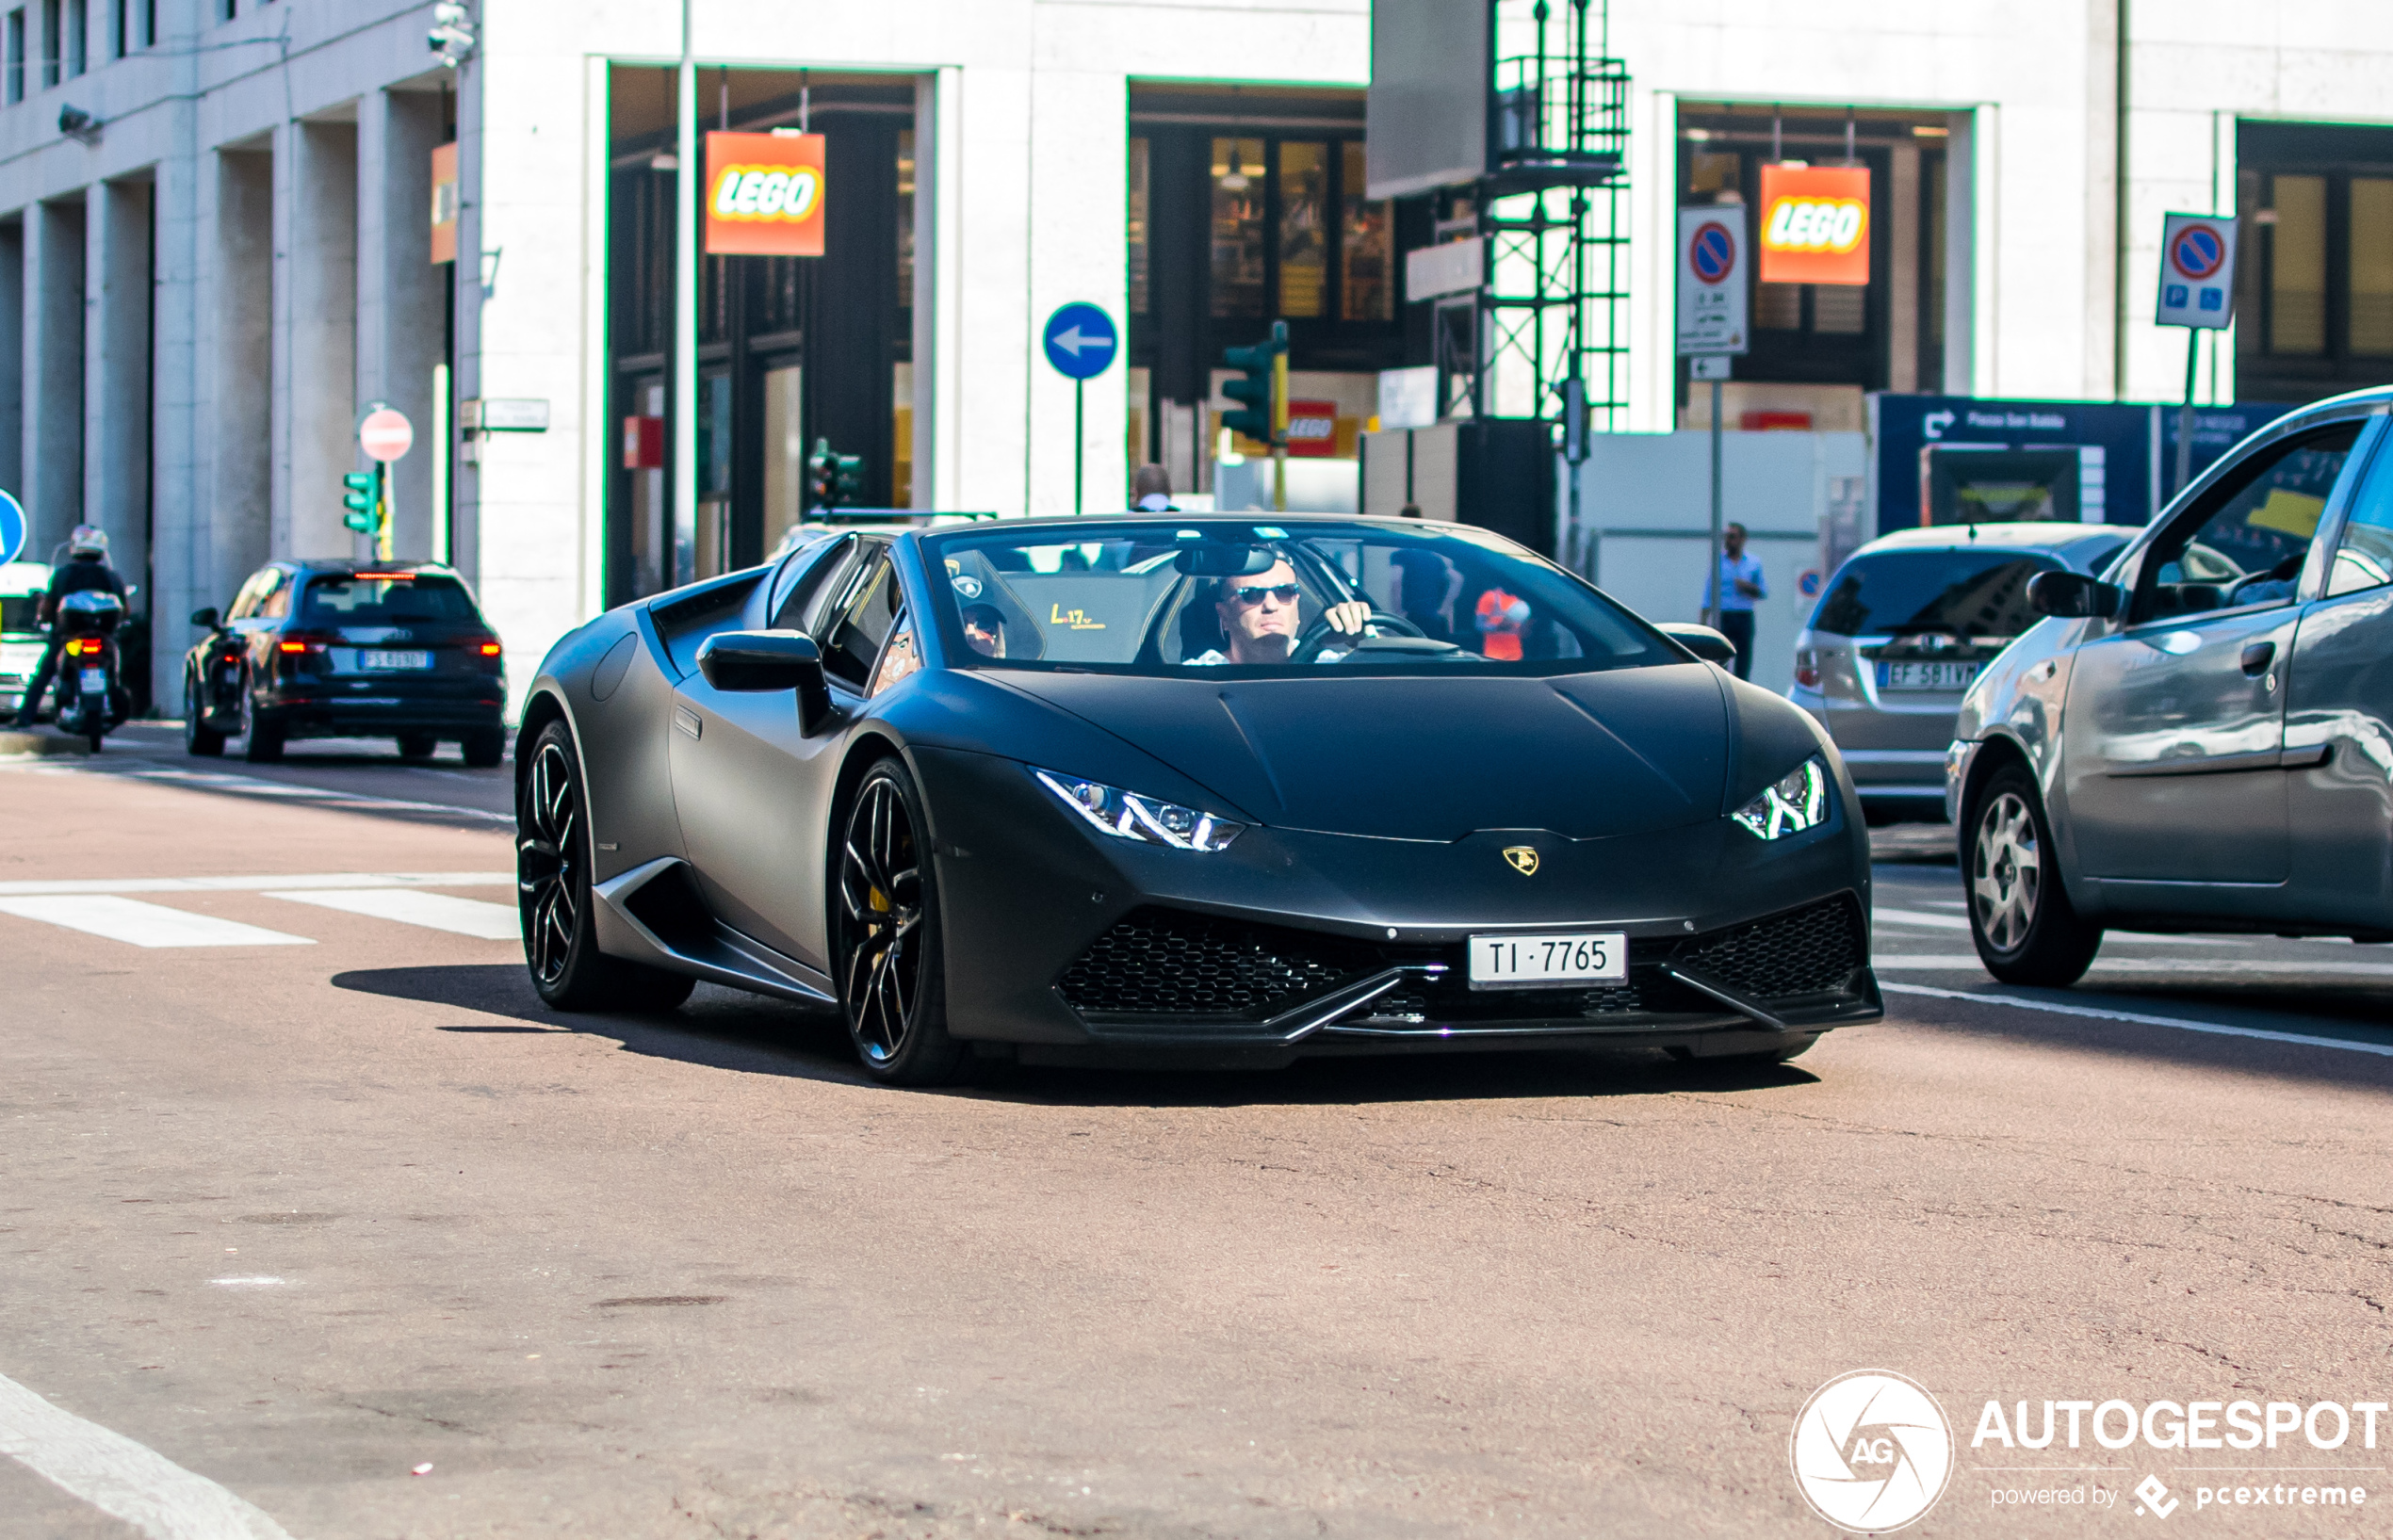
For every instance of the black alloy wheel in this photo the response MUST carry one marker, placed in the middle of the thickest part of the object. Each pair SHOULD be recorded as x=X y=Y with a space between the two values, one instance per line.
x=483 y=747
x=265 y=745
x=2026 y=929
x=553 y=897
x=891 y=987
x=198 y=737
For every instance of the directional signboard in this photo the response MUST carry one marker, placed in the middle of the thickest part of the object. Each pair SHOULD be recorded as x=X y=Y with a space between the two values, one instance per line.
x=14 y=526
x=2197 y=270
x=1712 y=280
x=1080 y=341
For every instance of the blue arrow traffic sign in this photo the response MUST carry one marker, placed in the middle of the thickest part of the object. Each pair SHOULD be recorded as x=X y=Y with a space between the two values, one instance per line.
x=14 y=525
x=1080 y=341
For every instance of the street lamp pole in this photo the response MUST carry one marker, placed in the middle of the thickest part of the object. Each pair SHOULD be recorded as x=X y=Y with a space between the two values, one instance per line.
x=684 y=503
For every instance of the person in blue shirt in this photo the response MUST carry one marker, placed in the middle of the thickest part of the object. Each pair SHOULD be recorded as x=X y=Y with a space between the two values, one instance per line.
x=1740 y=576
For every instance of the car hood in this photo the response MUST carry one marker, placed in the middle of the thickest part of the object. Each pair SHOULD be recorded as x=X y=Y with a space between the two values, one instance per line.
x=1583 y=755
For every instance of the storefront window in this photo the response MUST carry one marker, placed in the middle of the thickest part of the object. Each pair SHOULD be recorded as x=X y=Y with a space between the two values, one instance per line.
x=2372 y=260
x=1137 y=226
x=1365 y=293
x=1304 y=244
x=1238 y=228
x=2297 y=267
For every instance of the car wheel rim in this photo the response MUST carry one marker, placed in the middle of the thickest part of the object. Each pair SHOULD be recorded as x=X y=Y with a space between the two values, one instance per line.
x=547 y=879
x=881 y=899
x=2006 y=878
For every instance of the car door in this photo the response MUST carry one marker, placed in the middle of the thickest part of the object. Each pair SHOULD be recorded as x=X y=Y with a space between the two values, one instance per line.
x=2338 y=724
x=751 y=788
x=2174 y=720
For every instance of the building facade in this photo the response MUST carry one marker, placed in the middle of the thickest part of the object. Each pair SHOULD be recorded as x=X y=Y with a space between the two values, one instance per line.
x=216 y=220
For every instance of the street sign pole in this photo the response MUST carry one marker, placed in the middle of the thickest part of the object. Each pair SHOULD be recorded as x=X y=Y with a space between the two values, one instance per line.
x=1720 y=600
x=2197 y=292
x=1711 y=331
x=1080 y=341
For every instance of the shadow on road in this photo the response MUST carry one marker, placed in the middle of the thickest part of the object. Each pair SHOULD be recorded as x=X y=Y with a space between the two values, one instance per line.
x=726 y=1030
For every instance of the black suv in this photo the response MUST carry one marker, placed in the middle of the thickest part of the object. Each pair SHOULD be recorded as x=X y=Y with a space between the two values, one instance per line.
x=348 y=649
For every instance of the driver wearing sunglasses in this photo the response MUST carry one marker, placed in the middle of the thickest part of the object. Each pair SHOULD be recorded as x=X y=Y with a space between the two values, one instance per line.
x=1258 y=616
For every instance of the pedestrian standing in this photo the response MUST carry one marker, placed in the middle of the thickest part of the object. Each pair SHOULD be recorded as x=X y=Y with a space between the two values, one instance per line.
x=1740 y=583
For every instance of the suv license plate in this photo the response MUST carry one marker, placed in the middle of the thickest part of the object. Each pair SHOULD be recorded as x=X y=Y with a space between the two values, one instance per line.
x=1944 y=676
x=1530 y=962
x=395 y=660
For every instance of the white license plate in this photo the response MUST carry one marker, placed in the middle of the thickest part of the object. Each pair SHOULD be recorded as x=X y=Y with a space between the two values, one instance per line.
x=96 y=681
x=1946 y=676
x=1523 y=962
x=377 y=659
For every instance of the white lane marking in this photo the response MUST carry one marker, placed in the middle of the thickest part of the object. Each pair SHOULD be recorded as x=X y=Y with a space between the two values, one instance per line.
x=255 y=786
x=2255 y=967
x=143 y=924
x=438 y=911
x=2213 y=1029
x=1918 y=916
x=259 y=1282
x=120 y=1478
x=259 y=884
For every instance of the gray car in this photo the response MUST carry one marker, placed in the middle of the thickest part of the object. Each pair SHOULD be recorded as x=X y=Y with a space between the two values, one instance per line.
x=1902 y=629
x=2201 y=738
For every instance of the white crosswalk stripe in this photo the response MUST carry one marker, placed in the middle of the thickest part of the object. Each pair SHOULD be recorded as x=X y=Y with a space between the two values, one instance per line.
x=140 y=924
x=438 y=911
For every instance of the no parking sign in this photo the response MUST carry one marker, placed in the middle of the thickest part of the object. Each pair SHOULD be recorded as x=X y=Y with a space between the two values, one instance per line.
x=2197 y=270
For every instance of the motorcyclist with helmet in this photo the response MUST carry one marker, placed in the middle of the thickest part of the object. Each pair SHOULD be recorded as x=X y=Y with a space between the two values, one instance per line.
x=84 y=568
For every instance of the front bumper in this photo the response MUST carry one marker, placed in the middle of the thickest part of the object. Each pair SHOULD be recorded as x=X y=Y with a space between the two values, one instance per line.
x=1292 y=943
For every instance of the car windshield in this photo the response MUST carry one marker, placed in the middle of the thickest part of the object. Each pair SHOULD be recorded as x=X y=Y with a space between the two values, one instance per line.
x=1975 y=594
x=386 y=599
x=1175 y=597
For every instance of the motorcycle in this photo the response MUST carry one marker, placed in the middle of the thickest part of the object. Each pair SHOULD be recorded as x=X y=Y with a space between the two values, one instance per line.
x=92 y=700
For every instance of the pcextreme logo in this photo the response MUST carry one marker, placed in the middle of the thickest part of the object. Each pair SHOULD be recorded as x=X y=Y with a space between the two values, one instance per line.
x=1871 y=1450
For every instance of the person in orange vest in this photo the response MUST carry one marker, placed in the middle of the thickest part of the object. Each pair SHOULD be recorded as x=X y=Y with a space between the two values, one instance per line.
x=1500 y=618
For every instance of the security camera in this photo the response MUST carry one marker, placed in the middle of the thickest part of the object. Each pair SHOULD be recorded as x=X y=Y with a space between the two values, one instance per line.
x=75 y=123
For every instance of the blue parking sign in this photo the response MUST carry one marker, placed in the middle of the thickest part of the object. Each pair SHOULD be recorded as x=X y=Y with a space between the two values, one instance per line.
x=14 y=526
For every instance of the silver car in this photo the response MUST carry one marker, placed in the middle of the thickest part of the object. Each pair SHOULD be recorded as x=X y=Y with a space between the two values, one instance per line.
x=2201 y=739
x=1903 y=627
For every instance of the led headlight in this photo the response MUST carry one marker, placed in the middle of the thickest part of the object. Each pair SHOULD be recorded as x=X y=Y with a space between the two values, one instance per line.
x=1125 y=814
x=1798 y=802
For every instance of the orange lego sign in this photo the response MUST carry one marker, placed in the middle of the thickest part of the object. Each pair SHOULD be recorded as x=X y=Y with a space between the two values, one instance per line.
x=764 y=194
x=1814 y=224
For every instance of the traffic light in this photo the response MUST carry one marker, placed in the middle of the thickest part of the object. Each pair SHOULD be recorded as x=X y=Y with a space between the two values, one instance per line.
x=1263 y=416
x=834 y=481
x=359 y=499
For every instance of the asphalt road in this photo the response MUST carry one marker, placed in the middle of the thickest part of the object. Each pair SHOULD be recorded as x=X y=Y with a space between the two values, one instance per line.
x=336 y=1199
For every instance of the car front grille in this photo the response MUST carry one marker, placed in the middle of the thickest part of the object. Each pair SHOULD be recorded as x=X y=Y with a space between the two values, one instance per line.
x=1804 y=951
x=1165 y=963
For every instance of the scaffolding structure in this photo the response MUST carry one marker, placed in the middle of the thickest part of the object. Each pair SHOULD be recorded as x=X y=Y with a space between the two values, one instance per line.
x=1545 y=335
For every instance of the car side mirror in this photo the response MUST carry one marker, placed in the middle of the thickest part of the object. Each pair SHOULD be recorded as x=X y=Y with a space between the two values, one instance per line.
x=763 y=662
x=2072 y=595
x=1704 y=642
x=208 y=618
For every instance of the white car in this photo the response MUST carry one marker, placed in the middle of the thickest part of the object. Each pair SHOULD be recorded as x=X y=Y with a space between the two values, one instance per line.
x=22 y=585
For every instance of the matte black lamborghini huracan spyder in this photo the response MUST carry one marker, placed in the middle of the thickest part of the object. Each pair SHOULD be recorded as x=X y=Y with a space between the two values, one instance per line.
x=1198 y=789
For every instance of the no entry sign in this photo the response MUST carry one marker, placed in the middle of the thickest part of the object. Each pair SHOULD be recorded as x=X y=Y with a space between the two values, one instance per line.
x=385 y=434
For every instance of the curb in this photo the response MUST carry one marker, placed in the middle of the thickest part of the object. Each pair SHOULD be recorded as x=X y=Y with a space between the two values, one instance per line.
x=41 y=743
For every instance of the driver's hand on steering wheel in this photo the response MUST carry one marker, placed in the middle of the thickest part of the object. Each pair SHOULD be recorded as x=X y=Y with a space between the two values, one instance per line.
x=1349 y=618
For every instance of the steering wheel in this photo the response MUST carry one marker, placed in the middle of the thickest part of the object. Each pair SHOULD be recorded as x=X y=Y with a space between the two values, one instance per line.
x=1319 y=635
